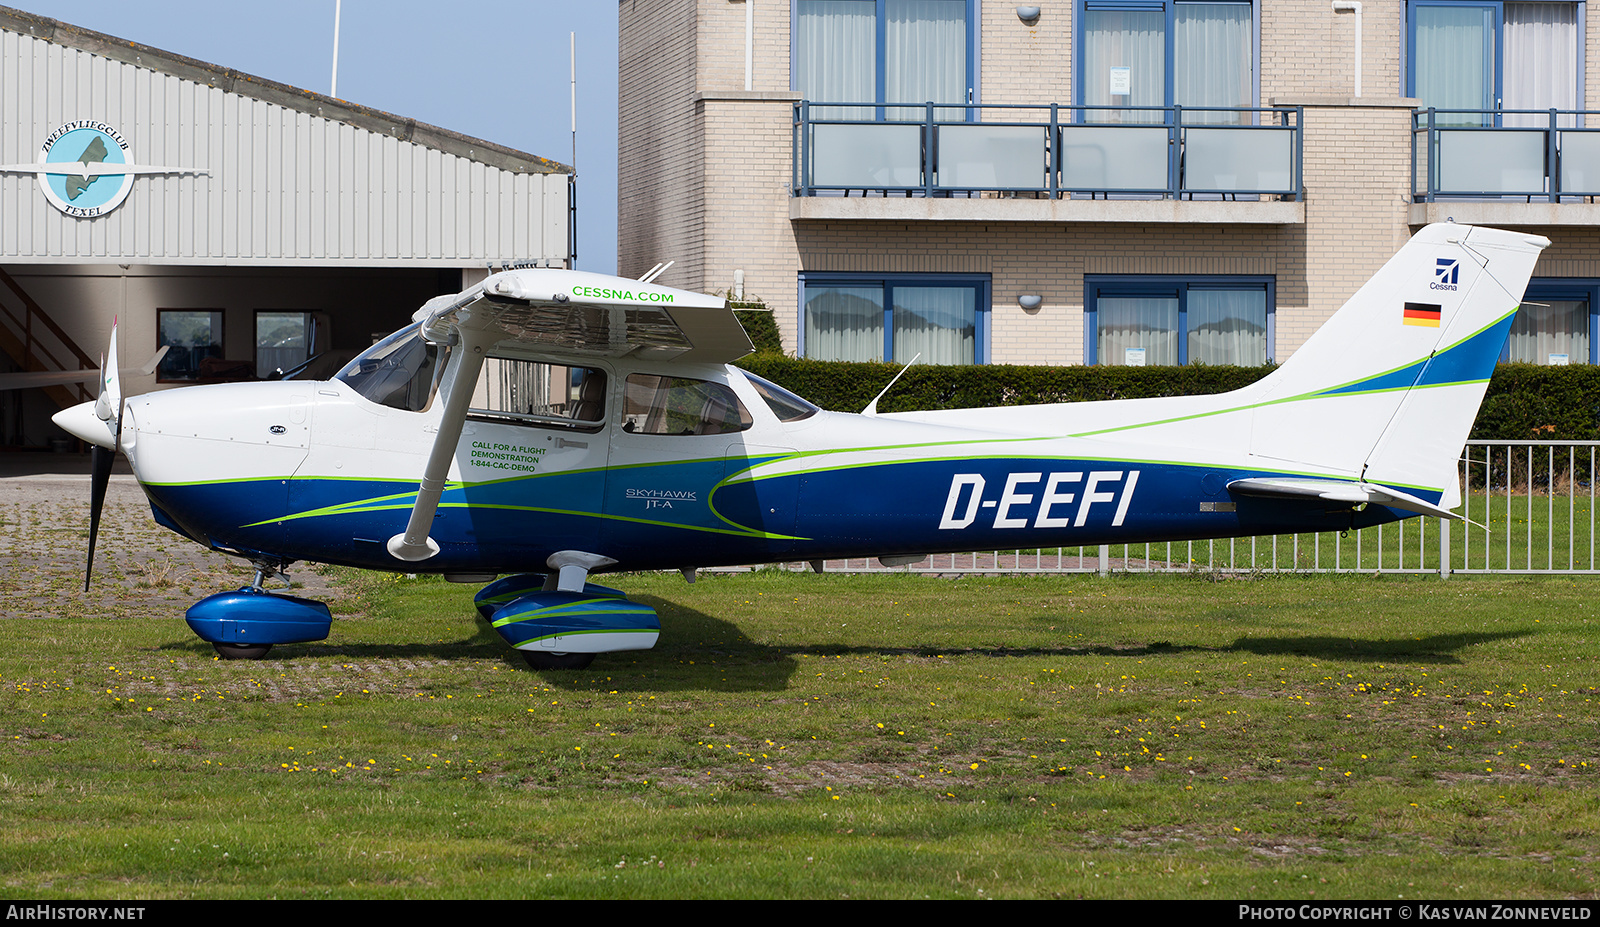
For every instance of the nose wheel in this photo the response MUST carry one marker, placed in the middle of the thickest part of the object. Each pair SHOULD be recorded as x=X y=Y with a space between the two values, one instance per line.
x=545 y=660
x=241 y=651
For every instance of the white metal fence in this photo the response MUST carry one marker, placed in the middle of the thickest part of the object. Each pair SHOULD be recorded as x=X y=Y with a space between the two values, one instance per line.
x=1529 y=507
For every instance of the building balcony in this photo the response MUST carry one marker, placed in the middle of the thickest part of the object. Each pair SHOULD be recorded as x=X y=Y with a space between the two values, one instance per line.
x=1505 y=167
x=1050 y=163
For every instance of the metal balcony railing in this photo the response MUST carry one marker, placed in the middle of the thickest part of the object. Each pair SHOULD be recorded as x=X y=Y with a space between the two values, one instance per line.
x=1531 y=155
x=1170 y=152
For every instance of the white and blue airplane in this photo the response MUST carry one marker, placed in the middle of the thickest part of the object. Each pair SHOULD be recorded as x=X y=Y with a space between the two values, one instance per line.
x=552 y=424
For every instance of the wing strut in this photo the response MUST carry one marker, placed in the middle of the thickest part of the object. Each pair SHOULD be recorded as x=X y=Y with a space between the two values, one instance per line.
x=413 y=544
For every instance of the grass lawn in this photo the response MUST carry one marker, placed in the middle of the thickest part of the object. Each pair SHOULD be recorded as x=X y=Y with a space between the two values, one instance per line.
x=796 y=735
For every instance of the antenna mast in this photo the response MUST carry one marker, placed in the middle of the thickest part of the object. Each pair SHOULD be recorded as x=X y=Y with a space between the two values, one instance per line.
x=572 y=59
x=334 y=90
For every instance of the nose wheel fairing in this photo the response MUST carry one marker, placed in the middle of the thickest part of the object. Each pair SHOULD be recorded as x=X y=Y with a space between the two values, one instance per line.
x=251 y=617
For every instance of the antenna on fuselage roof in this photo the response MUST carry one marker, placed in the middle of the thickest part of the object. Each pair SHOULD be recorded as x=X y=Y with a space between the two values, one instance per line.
x=872 y=407
x=656 y=271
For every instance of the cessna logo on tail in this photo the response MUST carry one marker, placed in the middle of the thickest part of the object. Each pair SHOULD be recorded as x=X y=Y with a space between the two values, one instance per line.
x=1446 y=274
x=1055 y=503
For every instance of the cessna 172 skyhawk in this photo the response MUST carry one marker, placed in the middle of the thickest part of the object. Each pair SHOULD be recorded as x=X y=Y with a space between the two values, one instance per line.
x=551 y=424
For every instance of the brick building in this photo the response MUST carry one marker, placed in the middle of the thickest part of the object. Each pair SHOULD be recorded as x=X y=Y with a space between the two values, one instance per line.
x=1099 y=181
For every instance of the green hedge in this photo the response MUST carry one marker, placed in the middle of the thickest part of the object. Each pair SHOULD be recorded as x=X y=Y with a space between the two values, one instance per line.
x=1524 y=401
x=848 y=387
x=753 y=314
x=1543 y=403
x=762 y=329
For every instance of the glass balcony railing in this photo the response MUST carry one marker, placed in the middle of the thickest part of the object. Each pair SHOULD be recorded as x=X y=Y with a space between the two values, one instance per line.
x=1053 y=151
x=1527 y=155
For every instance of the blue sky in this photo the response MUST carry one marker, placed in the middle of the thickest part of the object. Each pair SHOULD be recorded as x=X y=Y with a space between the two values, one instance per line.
x=494 y=69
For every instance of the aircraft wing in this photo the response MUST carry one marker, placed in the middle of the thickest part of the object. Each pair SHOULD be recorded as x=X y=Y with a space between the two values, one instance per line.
x=590 y=315
x=28 y=379
x=1353 y=491
x=32 y=378
x=557 y=314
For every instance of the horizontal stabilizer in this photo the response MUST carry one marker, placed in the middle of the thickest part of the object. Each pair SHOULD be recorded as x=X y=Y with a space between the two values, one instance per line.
x=1349 y=491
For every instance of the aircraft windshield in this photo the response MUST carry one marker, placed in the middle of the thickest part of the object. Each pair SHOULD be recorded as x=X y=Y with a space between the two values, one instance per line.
x=401 y=371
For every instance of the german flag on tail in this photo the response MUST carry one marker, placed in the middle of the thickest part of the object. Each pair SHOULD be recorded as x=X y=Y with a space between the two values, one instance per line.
x=1423 y=314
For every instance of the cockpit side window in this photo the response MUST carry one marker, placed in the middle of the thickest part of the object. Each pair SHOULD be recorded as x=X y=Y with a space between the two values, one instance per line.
x=526 y=392
x=659 y=405
x=402 y=371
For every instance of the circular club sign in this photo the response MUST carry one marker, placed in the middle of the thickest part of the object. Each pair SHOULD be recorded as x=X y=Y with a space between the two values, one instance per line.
x=95 y=159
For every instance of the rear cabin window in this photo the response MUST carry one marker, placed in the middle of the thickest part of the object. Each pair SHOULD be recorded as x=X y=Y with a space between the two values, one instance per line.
x=785 y=405
x=658 y=405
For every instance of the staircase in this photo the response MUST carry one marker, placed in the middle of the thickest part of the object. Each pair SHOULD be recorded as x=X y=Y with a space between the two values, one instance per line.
x=36 y=343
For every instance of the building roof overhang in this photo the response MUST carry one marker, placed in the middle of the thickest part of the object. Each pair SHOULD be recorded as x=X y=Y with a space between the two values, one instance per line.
x=270 y=91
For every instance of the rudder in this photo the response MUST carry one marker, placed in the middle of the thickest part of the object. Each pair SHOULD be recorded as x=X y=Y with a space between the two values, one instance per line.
x=1388 y=388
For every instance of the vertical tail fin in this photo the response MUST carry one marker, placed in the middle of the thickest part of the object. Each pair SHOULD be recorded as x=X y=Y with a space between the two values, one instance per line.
x=1389 y=387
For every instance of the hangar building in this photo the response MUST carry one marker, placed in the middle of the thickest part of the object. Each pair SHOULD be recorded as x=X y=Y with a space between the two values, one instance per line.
x=245 y=224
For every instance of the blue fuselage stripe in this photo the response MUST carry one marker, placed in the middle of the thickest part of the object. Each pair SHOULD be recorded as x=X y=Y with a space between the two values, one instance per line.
x=666 y=516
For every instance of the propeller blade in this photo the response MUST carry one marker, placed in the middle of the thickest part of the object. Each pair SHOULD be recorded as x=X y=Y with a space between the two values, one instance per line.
x=100 y=459
x=108 y=407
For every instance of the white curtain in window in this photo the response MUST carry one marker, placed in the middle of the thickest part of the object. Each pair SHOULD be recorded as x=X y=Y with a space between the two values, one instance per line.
x=837 y=56
x=1228 y=327
x=1455 y=60
x=1541 y=69
x=1147 y=322
x=1211 y=59
x=1124 y=49
x=1561 y=326
x=844 y=323
x=938 y=322
x=925 y=56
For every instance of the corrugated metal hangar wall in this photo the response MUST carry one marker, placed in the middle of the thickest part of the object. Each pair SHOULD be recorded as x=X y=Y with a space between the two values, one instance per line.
x=201 y=193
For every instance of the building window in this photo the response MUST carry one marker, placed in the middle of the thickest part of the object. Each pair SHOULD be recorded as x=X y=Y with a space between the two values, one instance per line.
x=1556 y=324
x=1148 y=321
x=876 y=318
x=284 y=341
x=1164 y=53
x=884 y=51
x=190 y=336
x=1489 y=56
